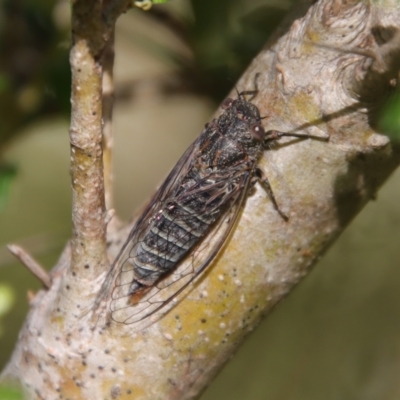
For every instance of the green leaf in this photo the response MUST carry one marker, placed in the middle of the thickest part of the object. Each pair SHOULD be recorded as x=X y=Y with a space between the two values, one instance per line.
x=4 y=84
x=7 y=174
x=389 y=121
x=10 y=393
x=7 y=298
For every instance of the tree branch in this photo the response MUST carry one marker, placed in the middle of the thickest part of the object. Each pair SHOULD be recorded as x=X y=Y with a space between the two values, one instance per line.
x=108 y=104
x=91 y=58
x=88 y=209
x=310 y=88
x=29 y=262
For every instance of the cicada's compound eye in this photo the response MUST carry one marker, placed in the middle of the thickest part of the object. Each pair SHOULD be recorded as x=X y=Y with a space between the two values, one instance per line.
x=258 y=132
x=226 y=103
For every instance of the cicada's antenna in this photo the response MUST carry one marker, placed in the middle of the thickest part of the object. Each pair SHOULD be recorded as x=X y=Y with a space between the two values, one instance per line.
x=252 y=92
x=237 y=91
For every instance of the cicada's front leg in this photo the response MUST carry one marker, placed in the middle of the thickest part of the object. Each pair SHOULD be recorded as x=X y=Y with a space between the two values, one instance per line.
x=260 y=177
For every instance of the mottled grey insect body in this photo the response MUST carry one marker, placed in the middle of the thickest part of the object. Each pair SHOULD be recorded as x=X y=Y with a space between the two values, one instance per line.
x=226 y=152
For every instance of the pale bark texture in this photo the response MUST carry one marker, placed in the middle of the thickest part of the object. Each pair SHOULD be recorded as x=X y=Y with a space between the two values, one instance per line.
x=325 y=76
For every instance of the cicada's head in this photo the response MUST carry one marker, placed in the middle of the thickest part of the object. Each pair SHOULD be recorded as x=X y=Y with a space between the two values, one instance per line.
x=241 y=110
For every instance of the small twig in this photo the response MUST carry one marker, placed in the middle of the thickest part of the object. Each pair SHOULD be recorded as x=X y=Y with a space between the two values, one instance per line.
x=108 y=103
x=88 y=242
x=92 y=31
x=109 y=216
x=31 y=264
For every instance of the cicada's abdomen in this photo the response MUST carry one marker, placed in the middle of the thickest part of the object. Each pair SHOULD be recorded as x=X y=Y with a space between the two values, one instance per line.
x=174 y=231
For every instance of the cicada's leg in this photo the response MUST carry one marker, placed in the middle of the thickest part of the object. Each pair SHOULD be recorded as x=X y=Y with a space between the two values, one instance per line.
x=252 y=92
x=267 y=186
x=272 y=135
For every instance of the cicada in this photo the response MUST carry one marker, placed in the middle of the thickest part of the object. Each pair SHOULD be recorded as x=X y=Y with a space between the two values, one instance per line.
x=191 y=215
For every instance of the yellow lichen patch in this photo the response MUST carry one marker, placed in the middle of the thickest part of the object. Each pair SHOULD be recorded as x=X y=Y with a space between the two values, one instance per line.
x=213 y=313
x=311 y=37
x=70 y=387
x=303 y=107
x=58 y=320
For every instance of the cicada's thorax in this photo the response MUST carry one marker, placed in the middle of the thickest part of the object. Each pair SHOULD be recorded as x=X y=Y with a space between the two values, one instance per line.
x=234 y=138
x=228 y=148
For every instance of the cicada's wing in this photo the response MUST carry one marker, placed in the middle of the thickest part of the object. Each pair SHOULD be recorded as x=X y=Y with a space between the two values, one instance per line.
x=141 y=225
x=161 y=297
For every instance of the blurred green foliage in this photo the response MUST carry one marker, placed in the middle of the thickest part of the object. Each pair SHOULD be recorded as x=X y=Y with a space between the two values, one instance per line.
x=7 y=298
x=10 y=393
x=225 y=40
x=389 y=121
x=7 y=174
x=34 y=72
x=35 y=78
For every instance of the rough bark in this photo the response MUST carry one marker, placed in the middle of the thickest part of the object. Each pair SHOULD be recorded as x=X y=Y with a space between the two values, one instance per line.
x=326 y=76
